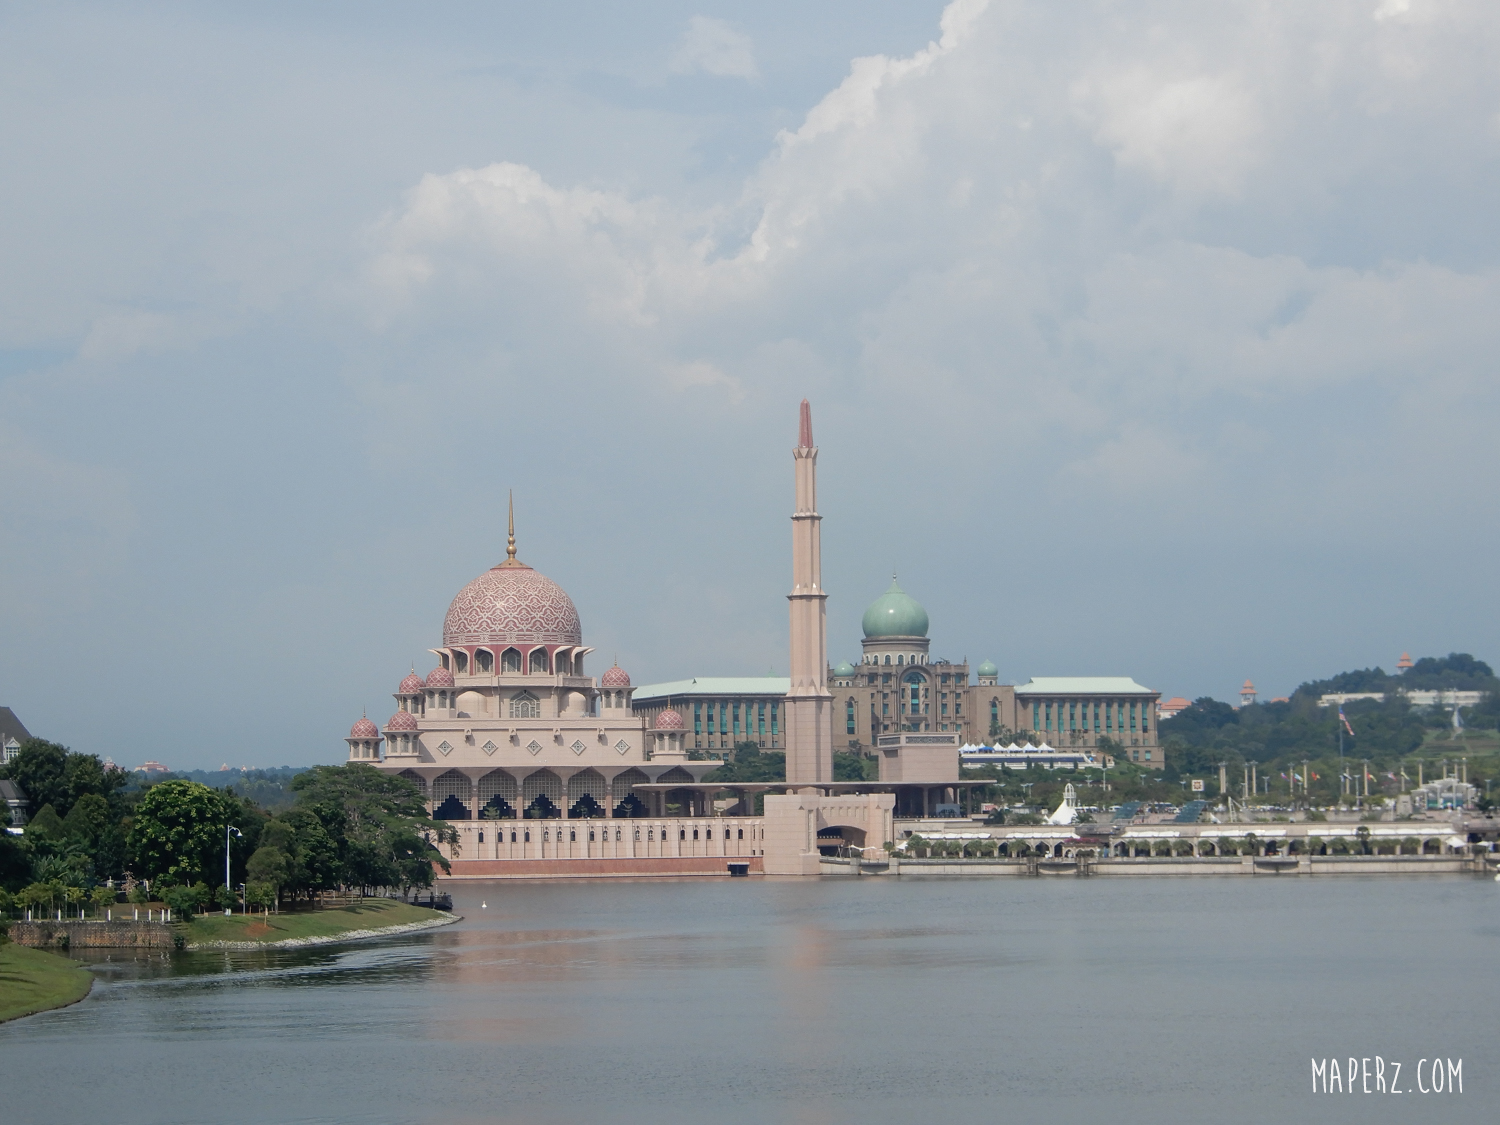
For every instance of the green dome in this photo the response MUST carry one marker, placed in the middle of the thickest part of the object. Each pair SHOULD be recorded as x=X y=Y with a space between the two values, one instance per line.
x=894 y=614
x=844 y=669
x=987 y=669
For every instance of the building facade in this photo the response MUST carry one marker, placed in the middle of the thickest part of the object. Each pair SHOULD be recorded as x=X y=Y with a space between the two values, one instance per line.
x=897 y=687
x=719 y=712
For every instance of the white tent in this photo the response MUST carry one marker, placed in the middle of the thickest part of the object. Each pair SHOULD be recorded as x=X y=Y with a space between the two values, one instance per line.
x=1067 y=812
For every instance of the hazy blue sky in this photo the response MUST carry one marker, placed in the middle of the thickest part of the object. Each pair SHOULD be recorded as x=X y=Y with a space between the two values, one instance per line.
x=1155 y=339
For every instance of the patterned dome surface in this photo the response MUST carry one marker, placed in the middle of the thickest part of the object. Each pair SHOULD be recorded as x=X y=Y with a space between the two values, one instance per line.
x=669 y=720
x=402 y=720
x=615 y=677
x=440 y=677
x=411 y=685
x=364 y=729
x=509 y=604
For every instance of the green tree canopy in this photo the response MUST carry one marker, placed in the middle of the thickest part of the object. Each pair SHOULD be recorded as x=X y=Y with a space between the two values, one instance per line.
x=177 y=832
x=377 y=824
x=54 y=775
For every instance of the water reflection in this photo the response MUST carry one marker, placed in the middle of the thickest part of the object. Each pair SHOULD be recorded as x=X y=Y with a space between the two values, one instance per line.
x=726 y=1002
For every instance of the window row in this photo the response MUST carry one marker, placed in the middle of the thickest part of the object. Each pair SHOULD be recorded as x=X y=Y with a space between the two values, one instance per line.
x=743 y=717
x=595 y=835
x=1108 y=716
x=511 y=662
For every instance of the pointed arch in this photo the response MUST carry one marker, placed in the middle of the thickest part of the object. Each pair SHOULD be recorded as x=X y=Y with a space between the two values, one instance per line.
x=451 y=797
x=497 y=794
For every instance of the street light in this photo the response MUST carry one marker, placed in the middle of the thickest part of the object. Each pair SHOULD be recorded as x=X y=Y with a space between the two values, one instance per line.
x=227 y=885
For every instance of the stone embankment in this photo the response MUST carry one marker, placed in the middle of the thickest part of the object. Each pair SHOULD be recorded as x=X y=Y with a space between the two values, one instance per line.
x=94 y=935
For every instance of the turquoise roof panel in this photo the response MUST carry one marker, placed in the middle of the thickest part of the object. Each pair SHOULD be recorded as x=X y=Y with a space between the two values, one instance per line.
x=715 y=686
x=1082 y=685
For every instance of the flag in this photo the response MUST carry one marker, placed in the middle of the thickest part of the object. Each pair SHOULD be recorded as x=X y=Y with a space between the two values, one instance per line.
x=1283 y=777
x=1345 y=721
x=1314 y=776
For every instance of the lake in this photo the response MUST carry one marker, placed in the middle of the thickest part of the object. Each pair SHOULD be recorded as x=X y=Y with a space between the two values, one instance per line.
x=718 y=1001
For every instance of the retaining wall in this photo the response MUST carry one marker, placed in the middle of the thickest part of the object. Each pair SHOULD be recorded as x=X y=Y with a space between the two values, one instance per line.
x=621 y=868
x=93 y=935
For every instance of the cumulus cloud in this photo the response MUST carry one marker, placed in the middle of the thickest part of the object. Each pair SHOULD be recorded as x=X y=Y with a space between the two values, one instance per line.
x=1093 y=239
x=714 y=46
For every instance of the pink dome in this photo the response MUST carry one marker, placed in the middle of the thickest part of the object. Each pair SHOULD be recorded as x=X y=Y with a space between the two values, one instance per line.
x=364 y=729
x=669 y=720
x=402 y=720
x=512 y=604
x=440 y=677
x=615 y=677
x=412 y=685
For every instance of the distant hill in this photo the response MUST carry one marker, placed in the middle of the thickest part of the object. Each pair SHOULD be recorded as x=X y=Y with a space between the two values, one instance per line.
x=268 y=788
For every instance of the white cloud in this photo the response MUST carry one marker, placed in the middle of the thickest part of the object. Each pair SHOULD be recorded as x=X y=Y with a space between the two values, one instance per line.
x=714 y=46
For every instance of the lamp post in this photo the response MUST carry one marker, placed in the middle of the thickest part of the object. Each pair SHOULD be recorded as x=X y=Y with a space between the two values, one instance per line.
x=228 y=831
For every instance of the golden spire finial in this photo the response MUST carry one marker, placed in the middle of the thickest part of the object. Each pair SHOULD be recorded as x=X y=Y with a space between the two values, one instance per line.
x=510 y=535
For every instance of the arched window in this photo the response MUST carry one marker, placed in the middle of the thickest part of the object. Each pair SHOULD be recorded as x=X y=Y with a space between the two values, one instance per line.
x=451 y=794
x=564 y=664
x=484 y=660
x=461 y=661
x=497 y=794
x=510 y=660
x=539 y=660
x=849 y=717
x=525 y=706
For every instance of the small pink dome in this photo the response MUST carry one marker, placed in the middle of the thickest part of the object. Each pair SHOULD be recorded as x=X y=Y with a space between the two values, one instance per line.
x=364 y=729
x=412 y=685
x=402 y=720
x=615 y=677
x=440 y=677
x=669 y=720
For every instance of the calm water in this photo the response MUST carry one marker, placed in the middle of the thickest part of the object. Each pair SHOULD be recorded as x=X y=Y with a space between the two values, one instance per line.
x=870 y=1001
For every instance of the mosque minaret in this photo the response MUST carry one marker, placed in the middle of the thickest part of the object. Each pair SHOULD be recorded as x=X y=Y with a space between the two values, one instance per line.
x=809 y=705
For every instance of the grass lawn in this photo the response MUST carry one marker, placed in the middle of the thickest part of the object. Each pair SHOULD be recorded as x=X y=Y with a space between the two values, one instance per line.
x=33 y=980
x=372 y=914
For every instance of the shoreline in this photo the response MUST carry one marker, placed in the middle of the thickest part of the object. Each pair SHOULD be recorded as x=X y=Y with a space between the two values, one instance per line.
x=328 y=939
x=25 y=966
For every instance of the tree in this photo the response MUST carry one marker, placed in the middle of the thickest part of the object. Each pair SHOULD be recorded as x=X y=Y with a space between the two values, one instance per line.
x=378 y=823
x=851 y=767
x=46 y=823
x=15 y=863
x=269 y=867
x=53 y=775
x=88 y=819
x=182 y=900
x=177 y=832
x=102 y=898
x=262 y=895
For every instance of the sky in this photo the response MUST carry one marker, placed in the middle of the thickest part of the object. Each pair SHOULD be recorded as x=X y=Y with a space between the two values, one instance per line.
x=1148 y=339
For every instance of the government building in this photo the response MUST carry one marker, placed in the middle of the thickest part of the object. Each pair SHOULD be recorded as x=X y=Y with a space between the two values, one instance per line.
x=897 y=687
